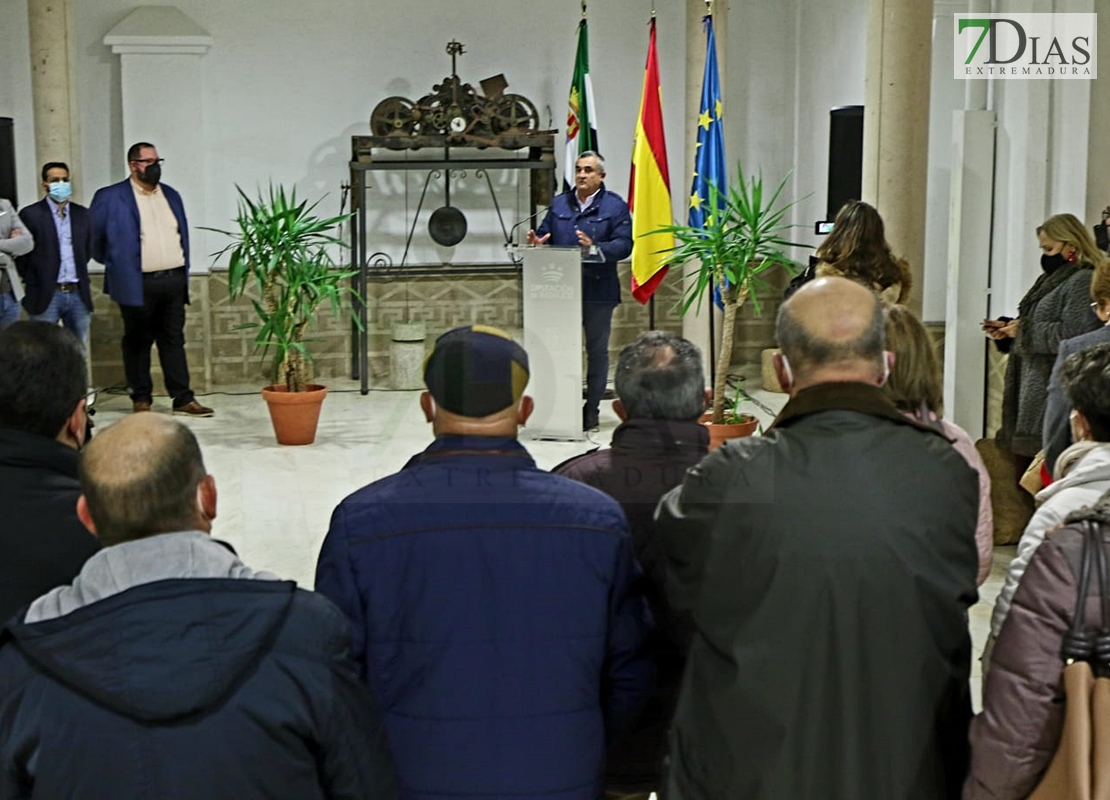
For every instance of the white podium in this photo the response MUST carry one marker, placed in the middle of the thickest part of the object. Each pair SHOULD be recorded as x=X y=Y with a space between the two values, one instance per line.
x=552 y=286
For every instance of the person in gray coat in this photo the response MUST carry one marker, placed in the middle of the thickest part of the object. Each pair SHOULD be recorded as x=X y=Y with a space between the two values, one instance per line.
x=15 y=240
x=1057 y=307
x=1057 y=427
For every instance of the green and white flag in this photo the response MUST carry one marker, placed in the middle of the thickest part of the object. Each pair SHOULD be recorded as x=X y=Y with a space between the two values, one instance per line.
x=581 y=117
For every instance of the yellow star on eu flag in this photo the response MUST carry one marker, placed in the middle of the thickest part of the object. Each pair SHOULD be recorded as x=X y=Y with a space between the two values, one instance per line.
x=720 y=109
x=695 y=201
x=704 y=119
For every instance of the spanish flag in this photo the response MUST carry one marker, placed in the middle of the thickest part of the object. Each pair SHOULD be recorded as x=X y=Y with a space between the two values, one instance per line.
x=649 y=190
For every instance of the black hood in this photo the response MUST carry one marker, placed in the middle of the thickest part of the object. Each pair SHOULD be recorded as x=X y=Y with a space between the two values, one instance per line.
x=162 y=651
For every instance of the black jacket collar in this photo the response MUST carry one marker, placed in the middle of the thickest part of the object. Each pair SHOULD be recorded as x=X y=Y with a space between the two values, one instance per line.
x=638 y=434
x=21 y=449
x=865 y=398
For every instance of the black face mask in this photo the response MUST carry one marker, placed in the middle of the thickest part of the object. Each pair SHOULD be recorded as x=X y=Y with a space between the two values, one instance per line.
x=1053 y=263
x=152 y=174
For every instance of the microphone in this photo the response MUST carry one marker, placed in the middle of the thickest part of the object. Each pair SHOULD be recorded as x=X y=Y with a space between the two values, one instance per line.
x=512 y=230
x=510 y=245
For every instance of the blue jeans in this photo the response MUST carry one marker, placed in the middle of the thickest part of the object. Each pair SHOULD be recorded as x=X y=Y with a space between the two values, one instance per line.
x=597 y=319
x=67 y=308
x=9 y=310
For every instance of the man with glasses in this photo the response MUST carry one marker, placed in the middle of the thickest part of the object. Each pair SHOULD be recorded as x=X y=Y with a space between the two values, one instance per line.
x=56 y=272
x=141 y=236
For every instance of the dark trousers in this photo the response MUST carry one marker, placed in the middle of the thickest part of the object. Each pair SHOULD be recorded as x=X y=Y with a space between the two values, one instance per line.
x=160 y=320
x=597 y=320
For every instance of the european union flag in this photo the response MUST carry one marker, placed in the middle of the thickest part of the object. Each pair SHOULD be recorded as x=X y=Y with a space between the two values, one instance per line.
x=709 y=163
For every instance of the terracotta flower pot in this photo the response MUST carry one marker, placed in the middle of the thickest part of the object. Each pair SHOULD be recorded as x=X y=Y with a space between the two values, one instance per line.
x=294 y=414
x=719 y=434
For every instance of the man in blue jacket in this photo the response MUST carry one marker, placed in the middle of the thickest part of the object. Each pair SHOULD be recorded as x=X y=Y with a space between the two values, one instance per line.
x=171 y=669
x=495 y=606
x=141 y=236
x=591 y=216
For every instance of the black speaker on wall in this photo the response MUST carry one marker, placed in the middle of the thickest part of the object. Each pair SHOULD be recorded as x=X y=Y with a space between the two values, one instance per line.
x=7 y=160
x=845 y=157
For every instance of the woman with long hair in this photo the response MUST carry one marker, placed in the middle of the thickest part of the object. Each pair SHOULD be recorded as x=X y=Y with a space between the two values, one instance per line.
x=914 y=386
x=857 y=249
x=1057 y=307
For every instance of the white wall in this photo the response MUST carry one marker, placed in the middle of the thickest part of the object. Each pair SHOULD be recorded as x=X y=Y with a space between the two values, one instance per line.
x=1044 y=145
x=946 y=96
x=287 y=83
x=790 y=62
x=15 y=95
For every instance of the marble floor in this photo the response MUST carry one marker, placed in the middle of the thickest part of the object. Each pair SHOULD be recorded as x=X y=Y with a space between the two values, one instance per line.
x=275 y=502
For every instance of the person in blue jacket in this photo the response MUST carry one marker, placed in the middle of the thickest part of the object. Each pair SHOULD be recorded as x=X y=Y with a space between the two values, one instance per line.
x=497 y=609
x=141 y=236
x=170 y=669
x=589 y=215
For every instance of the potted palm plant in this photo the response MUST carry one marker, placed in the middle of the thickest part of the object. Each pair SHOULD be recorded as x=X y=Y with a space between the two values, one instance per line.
x=740 y=246
x=280 y=247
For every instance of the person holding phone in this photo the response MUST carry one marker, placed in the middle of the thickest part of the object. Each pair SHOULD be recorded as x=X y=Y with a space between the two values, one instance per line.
x=1056 y=307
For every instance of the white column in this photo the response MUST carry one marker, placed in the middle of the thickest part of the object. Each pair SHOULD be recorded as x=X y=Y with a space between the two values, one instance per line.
x=161 y=52
x=1098 y=168
x=968 y=275
x=51 y=34
x=896 y=125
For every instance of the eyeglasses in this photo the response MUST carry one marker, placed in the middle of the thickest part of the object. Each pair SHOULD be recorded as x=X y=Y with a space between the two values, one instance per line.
x=148 y=161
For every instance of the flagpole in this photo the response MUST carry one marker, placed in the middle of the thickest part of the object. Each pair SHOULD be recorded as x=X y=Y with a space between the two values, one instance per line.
x=712 y=320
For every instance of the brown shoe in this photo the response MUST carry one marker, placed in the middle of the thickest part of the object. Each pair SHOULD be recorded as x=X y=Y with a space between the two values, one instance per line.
x=140 y=405
x=194 y=409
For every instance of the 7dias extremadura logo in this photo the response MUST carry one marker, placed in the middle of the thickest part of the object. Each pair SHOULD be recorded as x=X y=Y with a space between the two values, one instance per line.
x=1025 y=46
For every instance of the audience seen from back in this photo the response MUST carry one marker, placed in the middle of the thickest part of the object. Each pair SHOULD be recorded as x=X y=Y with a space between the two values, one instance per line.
x=43 y=424
x=829 y=586
x=170 y=669
x=1082 y=479
x=915 y=387
x=497 y=608
x=1017 y=732
x=660 y=384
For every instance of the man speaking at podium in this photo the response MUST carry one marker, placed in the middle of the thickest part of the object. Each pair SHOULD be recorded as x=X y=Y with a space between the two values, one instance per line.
x=592 y=217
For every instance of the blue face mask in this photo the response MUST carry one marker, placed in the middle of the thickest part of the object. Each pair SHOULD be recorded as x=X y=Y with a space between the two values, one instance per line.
x=60 y=191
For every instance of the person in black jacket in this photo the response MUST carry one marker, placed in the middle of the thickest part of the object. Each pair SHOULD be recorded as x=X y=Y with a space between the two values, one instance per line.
x=661 y=393
x=42 y=427
x=828 y=566
x=169 y=668
x=56 y=272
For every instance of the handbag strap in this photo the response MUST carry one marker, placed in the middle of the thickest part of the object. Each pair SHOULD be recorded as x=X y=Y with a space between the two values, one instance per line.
x=1078 y=644
x=1102 y=638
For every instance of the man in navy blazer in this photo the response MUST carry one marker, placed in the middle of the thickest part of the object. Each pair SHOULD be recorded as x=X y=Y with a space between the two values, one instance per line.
x=56 y=273
x=141 y=236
